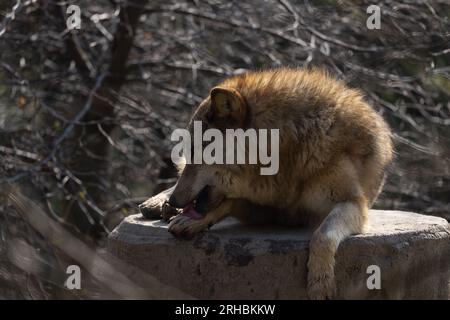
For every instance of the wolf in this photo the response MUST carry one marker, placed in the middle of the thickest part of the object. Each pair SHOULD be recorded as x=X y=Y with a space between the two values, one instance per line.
x=334 y=150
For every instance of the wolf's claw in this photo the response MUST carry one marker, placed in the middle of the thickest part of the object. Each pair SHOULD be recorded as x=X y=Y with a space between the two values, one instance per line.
x=185 y=227
x=321 y=288
x=157 y=207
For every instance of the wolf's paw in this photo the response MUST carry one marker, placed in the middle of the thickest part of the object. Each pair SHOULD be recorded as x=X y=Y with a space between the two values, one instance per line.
x=321 y=287
x=185 y=227
x=157 y=207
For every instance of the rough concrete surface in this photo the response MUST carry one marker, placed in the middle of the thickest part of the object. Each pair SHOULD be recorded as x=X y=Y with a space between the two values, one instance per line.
x=232 y=261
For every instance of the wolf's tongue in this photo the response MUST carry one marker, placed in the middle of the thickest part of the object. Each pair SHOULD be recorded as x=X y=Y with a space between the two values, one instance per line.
x=189 y=211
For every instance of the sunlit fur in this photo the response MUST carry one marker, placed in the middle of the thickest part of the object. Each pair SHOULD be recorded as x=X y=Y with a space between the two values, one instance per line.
x=334 y=149
x=333 y=145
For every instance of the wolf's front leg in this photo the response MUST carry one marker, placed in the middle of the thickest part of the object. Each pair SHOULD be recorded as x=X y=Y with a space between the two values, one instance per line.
x=183 y=226
x=345 y=219
x=157 y=206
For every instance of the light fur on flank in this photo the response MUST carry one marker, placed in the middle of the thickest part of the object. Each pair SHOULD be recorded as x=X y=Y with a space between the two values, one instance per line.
x=333 y=153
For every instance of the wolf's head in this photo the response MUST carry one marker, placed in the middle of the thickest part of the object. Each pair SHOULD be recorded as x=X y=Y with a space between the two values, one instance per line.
x=203 y=186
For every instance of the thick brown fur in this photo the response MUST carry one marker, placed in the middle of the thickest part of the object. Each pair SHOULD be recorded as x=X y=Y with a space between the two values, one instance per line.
x=333 y=152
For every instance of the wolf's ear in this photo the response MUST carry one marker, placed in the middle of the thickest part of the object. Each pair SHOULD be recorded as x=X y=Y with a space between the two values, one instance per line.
x=227 y=106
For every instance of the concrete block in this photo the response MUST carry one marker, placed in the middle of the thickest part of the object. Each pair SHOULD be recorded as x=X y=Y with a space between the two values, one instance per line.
x=232 y=261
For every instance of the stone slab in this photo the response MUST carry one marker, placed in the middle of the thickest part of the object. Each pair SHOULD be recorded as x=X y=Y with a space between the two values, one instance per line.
x=232 y=261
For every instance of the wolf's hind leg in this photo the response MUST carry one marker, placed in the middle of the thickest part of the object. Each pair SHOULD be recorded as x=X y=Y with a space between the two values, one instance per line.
x=346 y=218
x=157 y=206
